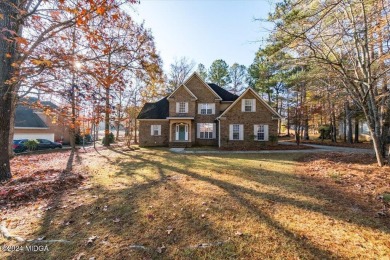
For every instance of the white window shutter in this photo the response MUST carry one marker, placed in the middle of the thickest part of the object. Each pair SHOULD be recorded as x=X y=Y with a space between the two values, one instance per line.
x=230 y=132
x=159 y=130
x=266 y=133
x=212 y=108
x=253 y=105
x=177 y=132
x=199 y=108
x=151 y=130
x=255 y=130
x=242 y=105
x=197 y=130
x=241 y=132
x=214 y=131
x=177 y=107
x=186 y=109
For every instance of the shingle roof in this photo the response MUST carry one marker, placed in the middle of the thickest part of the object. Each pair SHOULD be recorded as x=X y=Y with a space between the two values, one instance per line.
x=34 y=100
x=223 y=93
x=157 y=110
x=160 y=109
x=25 y=117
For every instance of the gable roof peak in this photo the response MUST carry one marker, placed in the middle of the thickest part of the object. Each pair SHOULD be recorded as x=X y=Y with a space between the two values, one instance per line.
x=257 y=96
x=204 y=83
x=184 y=86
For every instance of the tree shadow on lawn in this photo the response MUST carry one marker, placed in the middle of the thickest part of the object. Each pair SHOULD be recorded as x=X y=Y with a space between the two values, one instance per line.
x=121 y=219
x=340 y=204
x=40 y=184
x=146 y=226
x=335 y=197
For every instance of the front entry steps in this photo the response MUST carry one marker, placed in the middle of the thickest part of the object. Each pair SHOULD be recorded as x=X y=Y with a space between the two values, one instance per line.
x=180 y=144
x=177 y=150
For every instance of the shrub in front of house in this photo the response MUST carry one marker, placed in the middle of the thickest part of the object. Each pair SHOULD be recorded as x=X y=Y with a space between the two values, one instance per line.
x=273 y=139
x=31 y=145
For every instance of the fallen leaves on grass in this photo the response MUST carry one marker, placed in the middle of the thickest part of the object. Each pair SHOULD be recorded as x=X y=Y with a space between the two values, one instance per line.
x=356 y=174
x=38 y=176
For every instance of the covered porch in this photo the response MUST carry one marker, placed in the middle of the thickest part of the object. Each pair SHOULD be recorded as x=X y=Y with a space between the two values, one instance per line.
x=181 y=132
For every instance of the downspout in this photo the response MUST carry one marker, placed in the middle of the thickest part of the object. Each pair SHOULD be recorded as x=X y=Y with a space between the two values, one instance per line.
x=219 y=132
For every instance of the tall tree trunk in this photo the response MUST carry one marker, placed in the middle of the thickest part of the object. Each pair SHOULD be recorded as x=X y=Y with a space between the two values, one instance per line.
x=348 y=121
x=72 y=128
x=12 y=125
x=356 y=130
x=288 y=113
x=107 y=119
x=107 y=107
x=8 y=56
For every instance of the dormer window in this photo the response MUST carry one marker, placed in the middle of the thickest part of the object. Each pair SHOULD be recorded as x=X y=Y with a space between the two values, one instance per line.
x=248 y=105
x=182 y=107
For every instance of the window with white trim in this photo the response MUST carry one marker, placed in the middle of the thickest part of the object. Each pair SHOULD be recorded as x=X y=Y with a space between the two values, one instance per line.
x=236 y=132
x=182 y=107
x=206 y=108
x=260 y=133
x=155 y=130
x=206 y=130
x=248 y=105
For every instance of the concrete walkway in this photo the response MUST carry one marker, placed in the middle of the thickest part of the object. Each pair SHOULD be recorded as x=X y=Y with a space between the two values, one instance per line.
x=317 y=149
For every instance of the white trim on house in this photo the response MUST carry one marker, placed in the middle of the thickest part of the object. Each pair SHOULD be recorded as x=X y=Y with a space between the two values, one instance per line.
x=155 y=128
x=204 y=83
x=180 y=117
x=265 y=132
x=219 y=133
x=252 y=105
x=258 y=97
x=189 y=92
x=48 y=136
x=209 y=106
x=240 y=132
x=19 y=127
x=152 y=119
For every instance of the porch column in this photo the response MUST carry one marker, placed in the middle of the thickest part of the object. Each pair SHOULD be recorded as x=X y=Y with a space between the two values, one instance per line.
x=189 y=131
x=170 y=131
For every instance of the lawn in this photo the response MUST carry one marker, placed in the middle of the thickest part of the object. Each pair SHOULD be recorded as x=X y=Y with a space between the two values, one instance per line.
x=153 y=204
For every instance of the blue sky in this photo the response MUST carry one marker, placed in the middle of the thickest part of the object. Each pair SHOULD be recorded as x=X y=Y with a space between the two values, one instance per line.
x=205 y=30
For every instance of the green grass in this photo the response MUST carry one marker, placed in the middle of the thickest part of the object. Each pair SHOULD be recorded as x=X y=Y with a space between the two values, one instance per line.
x=241 y=206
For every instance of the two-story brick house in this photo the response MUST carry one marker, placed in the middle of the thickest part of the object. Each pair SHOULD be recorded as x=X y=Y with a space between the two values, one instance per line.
x=197 y=113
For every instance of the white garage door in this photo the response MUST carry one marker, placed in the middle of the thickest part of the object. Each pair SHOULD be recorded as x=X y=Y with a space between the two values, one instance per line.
x=34 y=136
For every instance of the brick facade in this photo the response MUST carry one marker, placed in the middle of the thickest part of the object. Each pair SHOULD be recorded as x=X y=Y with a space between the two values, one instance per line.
x=204 y=95
x=248 y=119
x=182 y=95
x=145 y=137
x=195 y=86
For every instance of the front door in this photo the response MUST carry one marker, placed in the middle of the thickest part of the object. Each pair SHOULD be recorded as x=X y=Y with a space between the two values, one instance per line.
x=181 y=132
